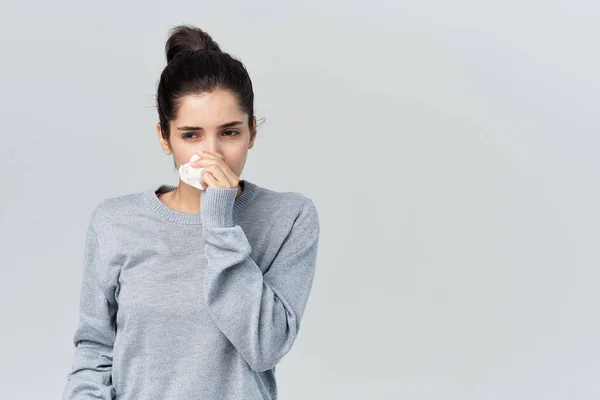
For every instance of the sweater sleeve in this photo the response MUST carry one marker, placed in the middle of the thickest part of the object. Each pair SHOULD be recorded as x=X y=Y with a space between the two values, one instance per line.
x=259 y=314
x=90 y=375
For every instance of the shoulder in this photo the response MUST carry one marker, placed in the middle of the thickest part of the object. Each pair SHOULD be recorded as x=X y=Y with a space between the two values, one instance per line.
x=292 y=201
x=115 y=209
x=286 y=207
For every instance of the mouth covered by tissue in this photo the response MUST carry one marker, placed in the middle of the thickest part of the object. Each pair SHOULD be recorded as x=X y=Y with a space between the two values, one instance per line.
x=191 y=175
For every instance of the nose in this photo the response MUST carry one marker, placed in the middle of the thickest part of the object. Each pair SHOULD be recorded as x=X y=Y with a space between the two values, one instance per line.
x=210 y=144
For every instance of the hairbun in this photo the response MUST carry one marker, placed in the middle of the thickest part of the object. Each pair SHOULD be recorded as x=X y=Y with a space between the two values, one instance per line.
x=187 y=38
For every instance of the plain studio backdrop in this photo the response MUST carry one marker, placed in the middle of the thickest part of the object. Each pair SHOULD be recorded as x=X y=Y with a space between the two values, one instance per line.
x=451 y=148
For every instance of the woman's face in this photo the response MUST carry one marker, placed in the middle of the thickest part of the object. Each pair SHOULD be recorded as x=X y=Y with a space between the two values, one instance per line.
x=211 y=122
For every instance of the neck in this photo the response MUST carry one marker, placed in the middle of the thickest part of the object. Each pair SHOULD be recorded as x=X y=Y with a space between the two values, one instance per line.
x=186 y=198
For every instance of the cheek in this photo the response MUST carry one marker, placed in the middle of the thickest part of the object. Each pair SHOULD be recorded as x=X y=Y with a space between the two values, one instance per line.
x=238 y=153
x=236 y=158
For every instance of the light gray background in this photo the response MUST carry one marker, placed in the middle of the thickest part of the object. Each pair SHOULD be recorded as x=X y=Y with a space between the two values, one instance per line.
x=450 y=147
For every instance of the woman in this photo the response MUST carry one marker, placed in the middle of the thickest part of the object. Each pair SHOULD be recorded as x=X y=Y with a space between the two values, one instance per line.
x=195 y=292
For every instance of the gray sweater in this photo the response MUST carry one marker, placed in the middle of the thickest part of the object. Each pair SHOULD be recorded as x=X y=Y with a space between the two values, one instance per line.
x=192 y=306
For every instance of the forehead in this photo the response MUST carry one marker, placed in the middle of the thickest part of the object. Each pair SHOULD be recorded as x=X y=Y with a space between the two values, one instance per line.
x=210 y=108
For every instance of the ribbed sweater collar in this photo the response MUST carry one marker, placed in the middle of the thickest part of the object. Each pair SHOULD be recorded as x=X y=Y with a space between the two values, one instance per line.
x=150 y=195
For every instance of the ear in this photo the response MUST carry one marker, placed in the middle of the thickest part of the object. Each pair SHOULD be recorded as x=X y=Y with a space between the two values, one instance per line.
x=252 y=133
x=163 y=143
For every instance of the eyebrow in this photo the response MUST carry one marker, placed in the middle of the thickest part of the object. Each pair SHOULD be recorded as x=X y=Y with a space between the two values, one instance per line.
x=198 y=128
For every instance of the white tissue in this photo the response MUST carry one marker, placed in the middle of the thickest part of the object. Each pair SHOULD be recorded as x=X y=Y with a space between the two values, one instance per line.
x=191 y=175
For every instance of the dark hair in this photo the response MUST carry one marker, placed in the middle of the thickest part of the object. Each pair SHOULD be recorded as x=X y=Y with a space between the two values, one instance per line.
x=196 y=64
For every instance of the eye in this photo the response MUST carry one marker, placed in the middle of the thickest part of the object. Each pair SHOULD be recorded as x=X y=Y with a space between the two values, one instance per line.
x=187 y=135
x=233 y=132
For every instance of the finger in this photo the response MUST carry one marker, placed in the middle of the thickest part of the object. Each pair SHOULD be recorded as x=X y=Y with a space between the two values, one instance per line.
x=217 y=171
x=221 y=178
x=202 y=180
x=231 y=176
x=209 y=161
x=205 y=160
x=229 y=179
x=210 y=153
x=209 y=178
x=203 y=176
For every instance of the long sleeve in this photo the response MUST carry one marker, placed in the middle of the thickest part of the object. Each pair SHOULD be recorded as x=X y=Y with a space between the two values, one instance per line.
x=90 y=376
x=259 y=314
